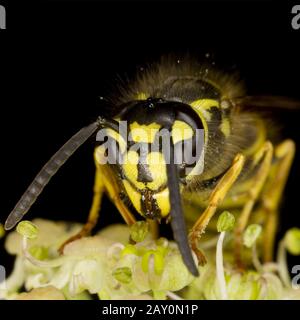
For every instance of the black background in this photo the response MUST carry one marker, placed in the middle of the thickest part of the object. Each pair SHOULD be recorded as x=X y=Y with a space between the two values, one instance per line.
x=57 y=58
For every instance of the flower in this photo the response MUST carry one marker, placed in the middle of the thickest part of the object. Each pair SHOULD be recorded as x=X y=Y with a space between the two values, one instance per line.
x=46 y=293
x=292 y=241
x=123 y=262
x=112 y=269
x=241 y=285
x=251 y=234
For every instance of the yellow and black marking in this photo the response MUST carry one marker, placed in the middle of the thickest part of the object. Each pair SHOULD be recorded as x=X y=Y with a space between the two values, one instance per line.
x=240 y=165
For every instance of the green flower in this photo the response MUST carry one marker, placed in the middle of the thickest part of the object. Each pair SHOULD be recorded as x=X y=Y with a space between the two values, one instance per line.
x=292 y=241
x=156 y=266
x=123 y=275
x=225 y=222
x=251 y=234
x=96 y=264
x=139 y=231
x=248 y=285
x=111 y=266
x=27 y=229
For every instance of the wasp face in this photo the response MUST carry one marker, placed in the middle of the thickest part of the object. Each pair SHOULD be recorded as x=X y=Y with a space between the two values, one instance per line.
x=154 y=143
x=152 y=126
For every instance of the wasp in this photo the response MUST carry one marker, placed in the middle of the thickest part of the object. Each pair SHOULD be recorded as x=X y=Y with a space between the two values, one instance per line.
x=239 y=164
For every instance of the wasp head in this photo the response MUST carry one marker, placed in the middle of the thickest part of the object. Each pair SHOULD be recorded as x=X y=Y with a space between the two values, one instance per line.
x=157 y=149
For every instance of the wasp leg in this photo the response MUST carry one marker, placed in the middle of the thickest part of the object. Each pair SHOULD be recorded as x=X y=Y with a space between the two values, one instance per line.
x=216 y=197
x=94 y=211
x=115 y=194
x=272 y=192
x=105 y=181
x=263 y=156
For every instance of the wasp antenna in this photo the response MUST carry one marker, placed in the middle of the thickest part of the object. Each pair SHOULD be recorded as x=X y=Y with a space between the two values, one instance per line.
x=177 y=218
x=48 y=171
x=108 y=123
